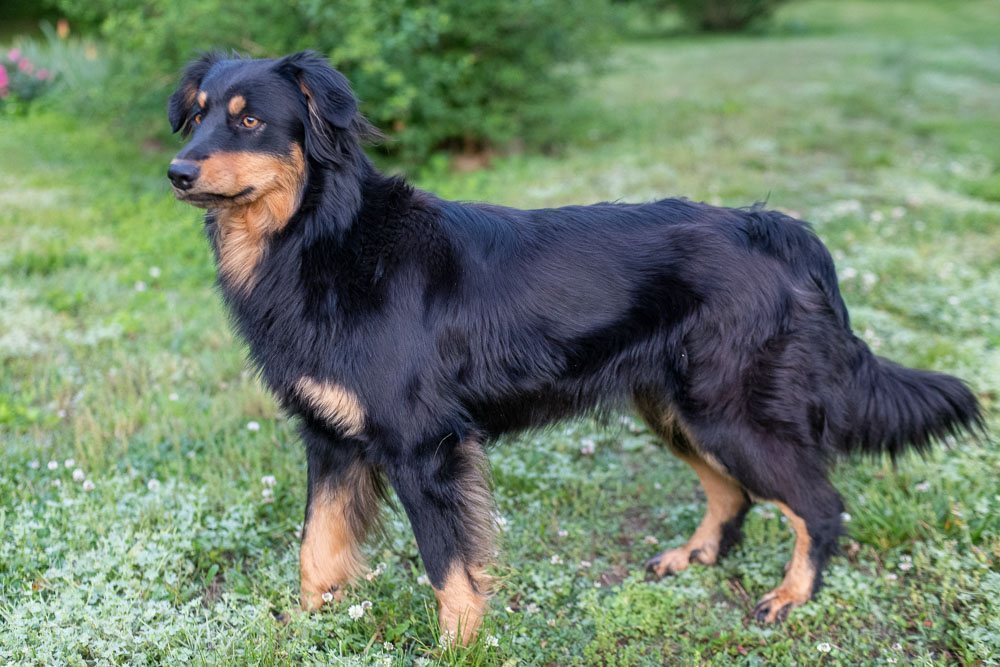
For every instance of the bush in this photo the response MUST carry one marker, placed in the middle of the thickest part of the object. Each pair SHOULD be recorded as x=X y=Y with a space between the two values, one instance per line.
x=456 y=73
x=21 y=79
x=726 y=14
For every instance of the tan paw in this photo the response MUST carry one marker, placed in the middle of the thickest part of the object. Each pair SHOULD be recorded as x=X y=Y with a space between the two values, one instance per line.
x=670 y=561
x=313 y=600
x=774 y=606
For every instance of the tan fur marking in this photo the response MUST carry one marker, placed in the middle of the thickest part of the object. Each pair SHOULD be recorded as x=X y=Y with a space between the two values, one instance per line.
x=796 y=588
x=467 y=587
x=236 y=104
x=330 y=555
x=334 y=403
x=462 y=603
x=245 y=225
x=724 y=499
x=202 y=98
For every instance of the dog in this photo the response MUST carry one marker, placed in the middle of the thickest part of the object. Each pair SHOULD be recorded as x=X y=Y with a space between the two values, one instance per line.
x=406 y=332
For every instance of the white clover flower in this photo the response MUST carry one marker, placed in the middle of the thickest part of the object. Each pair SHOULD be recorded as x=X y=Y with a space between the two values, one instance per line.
x=267 y=495
x=845 y=517
x=531 y=608
x=53 y=465
x=253 y=426
x=824 y=647
x=57 y=483
x=562 y=532
x=954 y=301
x=877 y=216
x=379 y=569
x=650 y=539
x=868 y=279
x=423 y=580
x=268 y=480
x=387 y=646
x=140 y=286
x=172 y=396
x=79 y=475
x=587 y=447
x=922 y=487
x=327 y=597
x=355 y=611
x=492 y=641
x=849 y=273
x=892 y=576
x=153 y=485
x=657 y=486
x=556 y=559
x=897 y=212
x=585 y=564
x=69 y=463
x=906 y=566
x=154 y=272
x=35 y=464
x=88 y=485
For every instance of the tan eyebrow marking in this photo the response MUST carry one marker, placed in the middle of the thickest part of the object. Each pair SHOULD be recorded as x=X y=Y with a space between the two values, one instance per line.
x=202 y=98
x=236 y=104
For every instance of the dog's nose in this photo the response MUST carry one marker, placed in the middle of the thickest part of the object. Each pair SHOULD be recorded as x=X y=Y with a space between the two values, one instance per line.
x=183 y=174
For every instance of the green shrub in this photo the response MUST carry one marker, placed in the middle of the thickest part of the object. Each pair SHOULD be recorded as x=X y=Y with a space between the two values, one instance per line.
x=22 y=79
x=726 y=14
x=456 y=73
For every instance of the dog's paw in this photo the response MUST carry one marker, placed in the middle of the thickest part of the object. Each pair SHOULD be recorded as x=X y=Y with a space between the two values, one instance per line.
x=670 y=561
x=774 y=607
x=310 y=601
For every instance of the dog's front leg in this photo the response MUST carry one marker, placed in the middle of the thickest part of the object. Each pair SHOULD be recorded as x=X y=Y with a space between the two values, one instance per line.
x=343 y=503
x=444 y=487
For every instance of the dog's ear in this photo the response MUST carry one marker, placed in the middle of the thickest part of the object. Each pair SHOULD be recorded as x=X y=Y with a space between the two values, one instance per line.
x=332 y=107
x=182 y=100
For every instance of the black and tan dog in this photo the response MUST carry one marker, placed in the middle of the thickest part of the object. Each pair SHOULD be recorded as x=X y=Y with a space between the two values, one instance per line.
x=406 y=332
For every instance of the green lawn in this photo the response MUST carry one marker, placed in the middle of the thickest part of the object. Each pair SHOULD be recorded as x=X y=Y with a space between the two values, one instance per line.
x=879 y=121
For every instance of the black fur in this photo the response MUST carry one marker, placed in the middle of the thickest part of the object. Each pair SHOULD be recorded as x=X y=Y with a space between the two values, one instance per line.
x=457 y=322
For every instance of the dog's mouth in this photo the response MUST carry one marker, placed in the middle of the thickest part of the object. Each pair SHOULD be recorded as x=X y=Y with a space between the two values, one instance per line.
x=214 y=199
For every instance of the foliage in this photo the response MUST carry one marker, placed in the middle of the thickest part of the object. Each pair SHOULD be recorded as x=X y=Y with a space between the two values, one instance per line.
x=877 y=122
x=726 y=14
x=463 y=73
x=21 y=79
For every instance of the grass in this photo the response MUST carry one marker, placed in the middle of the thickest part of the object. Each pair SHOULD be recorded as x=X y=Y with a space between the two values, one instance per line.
x=875 y=120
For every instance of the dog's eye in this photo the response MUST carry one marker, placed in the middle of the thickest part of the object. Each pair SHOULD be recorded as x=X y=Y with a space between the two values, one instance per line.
x=249 y=122
x=197 y=119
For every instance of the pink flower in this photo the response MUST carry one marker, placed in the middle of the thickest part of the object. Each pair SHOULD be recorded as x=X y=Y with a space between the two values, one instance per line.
x=26 y=66
x=4 y=79
x=43 y=74
x=14 y=55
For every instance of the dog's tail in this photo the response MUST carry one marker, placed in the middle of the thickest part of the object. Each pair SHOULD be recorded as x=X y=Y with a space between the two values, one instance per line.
x=895 y=408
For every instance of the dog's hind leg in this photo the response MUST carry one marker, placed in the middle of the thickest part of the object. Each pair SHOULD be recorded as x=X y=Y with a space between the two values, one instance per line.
x=726 y=507
x=444 y=488
x=344 y=498
x=727 y=502
x=793 y=476
x=813 y=509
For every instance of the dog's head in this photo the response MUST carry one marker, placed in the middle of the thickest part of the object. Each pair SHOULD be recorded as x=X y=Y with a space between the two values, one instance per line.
x=254 y=123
